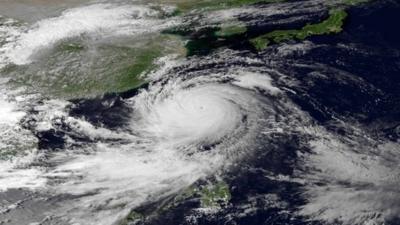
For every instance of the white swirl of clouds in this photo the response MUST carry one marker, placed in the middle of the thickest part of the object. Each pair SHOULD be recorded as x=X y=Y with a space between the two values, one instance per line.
x=182 y=129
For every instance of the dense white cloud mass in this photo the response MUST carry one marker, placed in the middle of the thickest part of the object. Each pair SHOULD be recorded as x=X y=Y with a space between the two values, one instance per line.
x=94 y=21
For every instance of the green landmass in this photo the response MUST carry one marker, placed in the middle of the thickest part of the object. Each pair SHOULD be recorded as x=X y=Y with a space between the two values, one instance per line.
x=211 y=196
x=71 y=47
x=333 y=24
x=76 y=69
x=129 y=72
x=187 y=193
x=17 y=150
x=132 y=218
x=227 y=31
x=130 y=76
x=120 y=79
x=215 y=195
x=21 y=146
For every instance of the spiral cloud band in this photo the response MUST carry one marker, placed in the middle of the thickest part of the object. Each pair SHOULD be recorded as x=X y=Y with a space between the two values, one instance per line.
x=180 y=129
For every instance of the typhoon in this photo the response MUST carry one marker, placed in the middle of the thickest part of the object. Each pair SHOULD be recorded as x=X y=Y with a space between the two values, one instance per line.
x=184 y=112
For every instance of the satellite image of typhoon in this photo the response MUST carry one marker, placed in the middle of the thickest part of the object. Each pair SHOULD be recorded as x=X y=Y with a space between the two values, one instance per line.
x=199 y=112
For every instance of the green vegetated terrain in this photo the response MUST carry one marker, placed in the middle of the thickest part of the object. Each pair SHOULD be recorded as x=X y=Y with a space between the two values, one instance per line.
x=215 y=195
x=17 y=149
x=70 y=47
x=230 y=30
x=77 y=69
x=128 y=69
x=333 y=24
x=133 y=217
